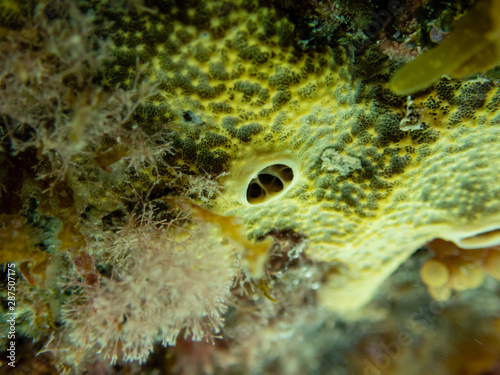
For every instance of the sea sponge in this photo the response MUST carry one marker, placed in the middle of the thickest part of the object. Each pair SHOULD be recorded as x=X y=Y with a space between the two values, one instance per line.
x=473 y=47
x=243 y=94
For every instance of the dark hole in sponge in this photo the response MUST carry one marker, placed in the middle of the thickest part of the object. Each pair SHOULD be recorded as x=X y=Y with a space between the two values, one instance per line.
x=268 y=183
x=254 y=191
x=266 y=179
x=190 y=116
x=277 y=185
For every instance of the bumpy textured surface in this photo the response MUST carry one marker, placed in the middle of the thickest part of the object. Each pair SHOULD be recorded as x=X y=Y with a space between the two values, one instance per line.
x=245 y=95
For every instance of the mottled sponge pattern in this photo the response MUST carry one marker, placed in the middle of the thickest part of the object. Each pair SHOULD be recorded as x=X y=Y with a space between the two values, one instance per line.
x=243 y=94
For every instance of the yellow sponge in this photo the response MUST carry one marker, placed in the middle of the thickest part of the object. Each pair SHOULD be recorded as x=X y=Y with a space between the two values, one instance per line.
x=343 y=170
x=472 y=47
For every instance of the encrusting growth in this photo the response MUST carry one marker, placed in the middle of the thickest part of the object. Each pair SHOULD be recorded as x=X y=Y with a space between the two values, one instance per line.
x=245 y=94
x=177 y=171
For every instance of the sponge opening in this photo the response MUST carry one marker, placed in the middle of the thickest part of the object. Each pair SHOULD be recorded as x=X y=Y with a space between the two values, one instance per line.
x=269 y=183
